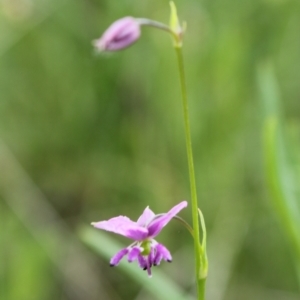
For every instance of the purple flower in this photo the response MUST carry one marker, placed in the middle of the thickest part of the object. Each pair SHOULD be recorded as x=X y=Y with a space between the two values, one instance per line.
x=121 y=34
x=147 y=251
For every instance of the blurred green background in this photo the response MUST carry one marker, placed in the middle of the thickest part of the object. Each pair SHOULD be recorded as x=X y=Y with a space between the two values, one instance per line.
x=85 y=137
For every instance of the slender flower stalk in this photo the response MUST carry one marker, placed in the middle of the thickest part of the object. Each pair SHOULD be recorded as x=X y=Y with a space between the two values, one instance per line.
x=197 y=244
x=199 y=249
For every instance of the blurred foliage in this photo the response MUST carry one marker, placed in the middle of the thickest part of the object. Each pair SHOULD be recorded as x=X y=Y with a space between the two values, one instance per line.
x=85 y=137
x=281 y=172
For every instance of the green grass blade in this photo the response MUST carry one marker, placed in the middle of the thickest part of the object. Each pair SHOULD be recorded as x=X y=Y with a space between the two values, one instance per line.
x=279 y=170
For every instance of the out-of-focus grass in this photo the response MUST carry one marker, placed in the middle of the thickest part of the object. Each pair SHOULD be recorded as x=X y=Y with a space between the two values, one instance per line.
x=101 y=136
x=36 y=242
x=281 y=173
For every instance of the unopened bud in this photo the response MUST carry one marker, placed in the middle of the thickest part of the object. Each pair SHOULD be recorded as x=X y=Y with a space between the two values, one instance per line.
x=119 y=35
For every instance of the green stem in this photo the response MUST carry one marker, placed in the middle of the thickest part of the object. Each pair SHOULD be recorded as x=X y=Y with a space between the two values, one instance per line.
x=200 y=280
x=155 y=24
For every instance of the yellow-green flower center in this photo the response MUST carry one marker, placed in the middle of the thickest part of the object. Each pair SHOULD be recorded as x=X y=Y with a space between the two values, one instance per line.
x=146 y=246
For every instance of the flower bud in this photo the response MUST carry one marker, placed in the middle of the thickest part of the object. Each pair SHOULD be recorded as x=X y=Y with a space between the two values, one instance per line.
x=121 y=34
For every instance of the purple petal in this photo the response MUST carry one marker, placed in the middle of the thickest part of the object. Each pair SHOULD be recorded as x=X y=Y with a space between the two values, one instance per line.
x=119 y=35
x=134 y=253
x=158 y=224
x=123 y=226
x=146 y=217
x=162 y=253
x=142 y=262
x=116 y=258
x=157 y=258
x=151 y=257
x=149 y=265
